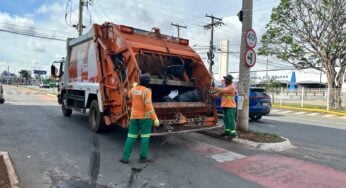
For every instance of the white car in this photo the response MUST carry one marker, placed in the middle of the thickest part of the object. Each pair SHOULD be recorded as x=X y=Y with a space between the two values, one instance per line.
x=2 y=100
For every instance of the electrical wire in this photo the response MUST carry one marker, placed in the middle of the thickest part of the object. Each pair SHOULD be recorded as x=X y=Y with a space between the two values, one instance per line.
x=32 y=35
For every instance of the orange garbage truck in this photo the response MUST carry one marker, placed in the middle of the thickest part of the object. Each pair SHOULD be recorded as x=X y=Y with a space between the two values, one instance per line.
x=105 y=63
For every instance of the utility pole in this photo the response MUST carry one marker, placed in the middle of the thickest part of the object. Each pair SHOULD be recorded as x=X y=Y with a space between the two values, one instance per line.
x=178 y=28
x=214 y=23
x=244 y=71
x=80 y=18
x=267 y=76
x=80 y=25
x=8 y=74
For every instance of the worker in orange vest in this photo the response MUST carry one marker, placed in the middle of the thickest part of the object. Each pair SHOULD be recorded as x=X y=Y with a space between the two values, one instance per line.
x=227 y=95
x=141 y=120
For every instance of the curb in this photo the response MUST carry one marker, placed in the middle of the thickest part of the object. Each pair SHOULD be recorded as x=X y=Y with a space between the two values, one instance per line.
x=280 y=146
x=11 y=173
x=311 y=110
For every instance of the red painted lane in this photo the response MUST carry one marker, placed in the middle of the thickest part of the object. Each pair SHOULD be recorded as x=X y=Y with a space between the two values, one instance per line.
x=278 y=171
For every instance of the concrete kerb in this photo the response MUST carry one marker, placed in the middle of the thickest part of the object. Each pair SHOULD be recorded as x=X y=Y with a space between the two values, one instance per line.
x=11 y=173
x=311 y=110
x=279 y=146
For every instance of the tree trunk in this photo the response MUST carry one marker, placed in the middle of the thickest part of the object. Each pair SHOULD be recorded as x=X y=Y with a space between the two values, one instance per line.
x=339 y=82
x=331 y=93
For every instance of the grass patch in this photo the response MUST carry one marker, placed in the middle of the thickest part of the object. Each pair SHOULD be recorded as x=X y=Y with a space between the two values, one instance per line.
x=251 y=136
x=260 y=137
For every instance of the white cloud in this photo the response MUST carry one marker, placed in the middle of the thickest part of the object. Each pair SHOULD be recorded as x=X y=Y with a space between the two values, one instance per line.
x=16 y=23
x=53 y=8
x=35 y=46
x=140 y=14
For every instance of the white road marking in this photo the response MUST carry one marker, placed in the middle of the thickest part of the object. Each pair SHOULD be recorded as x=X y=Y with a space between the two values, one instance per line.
x=299 y=113
x=286 y=112
x=319 y=122
x=275 y=110
x=313 y=114
x=227 y=156
x=329 y=115
x=343 y=117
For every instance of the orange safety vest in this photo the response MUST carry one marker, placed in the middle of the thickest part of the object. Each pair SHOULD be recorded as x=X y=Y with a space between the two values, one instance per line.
x=227 y=95
x=142 y=107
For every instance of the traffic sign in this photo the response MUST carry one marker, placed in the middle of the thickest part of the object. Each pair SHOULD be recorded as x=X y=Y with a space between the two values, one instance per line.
x=40 y=72
x=251 y=38
x=250 y=58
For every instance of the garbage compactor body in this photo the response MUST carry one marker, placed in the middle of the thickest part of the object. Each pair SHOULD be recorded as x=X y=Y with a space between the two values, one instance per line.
x=102 y=65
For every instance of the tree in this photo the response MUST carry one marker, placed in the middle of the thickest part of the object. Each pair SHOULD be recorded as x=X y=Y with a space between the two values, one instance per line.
x=25 y=74
x=271 y=85
x=310 y=34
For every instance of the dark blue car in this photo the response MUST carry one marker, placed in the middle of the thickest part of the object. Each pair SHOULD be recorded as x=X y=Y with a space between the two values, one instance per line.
x=260 y=103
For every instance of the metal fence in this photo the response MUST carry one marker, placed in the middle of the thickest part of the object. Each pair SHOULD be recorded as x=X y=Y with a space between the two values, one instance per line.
x=306 y=97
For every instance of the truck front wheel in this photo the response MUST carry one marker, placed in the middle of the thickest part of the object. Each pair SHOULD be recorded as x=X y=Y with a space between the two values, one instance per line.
x=96 y=120
x=66 y=111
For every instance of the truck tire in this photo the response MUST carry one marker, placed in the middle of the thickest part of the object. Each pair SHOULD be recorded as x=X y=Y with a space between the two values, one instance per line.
x=96 y=121
x=255 y=117
x=66 y=111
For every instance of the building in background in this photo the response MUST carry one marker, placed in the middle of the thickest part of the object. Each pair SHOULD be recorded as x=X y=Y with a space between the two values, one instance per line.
x=308 y=78
x=223 y=59
x=4 y=76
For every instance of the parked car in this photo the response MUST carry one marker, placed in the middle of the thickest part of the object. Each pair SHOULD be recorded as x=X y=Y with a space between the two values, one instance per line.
x=260 y=103
x=2 y=100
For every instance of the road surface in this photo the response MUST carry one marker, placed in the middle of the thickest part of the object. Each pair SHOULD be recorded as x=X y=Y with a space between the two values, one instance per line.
x=49 y=150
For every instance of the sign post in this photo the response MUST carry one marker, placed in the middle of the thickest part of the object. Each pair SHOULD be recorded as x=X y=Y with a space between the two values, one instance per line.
x=247 y=60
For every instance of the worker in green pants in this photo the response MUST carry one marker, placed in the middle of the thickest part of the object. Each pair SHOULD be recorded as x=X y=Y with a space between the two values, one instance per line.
x=141 y=120
x=227 y=95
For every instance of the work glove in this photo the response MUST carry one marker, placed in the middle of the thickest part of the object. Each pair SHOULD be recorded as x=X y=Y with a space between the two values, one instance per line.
x=134 y=84
x=156 y=122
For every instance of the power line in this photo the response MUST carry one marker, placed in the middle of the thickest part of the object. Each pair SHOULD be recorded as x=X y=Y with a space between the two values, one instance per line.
x=35 y=28
x=32 y=35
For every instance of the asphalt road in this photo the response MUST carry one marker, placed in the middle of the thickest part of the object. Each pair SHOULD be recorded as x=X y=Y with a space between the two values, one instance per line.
x=319 y=137
x=49 y=150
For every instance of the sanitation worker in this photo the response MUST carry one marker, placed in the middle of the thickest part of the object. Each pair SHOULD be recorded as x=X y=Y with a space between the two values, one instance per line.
x=142 y=118
x=227 y=95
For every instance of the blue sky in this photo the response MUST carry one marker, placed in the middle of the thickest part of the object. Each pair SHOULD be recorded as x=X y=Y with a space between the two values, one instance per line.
x=22 y=7
x=23 y=52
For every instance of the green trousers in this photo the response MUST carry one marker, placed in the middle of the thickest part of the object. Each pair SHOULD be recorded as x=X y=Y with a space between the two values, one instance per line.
x=229 y=121
x=137 y=127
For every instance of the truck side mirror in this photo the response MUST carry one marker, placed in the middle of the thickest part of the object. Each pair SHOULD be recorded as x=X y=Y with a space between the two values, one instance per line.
x=53 y=71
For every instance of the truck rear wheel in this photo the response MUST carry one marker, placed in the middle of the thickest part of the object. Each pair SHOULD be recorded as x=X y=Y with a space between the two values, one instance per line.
x=96 y=121
x=66 y=111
